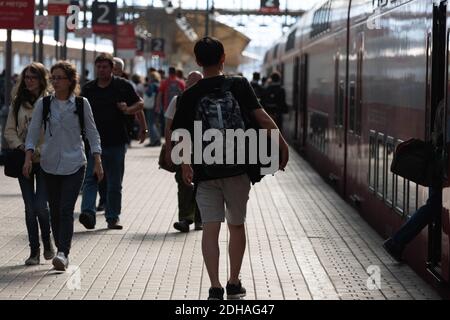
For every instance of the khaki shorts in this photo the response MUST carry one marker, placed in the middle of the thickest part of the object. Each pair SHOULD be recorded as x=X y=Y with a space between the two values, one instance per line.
x=213 y=195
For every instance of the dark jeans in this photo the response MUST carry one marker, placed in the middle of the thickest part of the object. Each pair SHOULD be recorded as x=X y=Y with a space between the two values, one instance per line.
x=162 y=123
x=151 y=123
x=187 y=206
x=34 y=196
x=102 y=191
x=63 y=192
x=113 y=161
x=420 y=219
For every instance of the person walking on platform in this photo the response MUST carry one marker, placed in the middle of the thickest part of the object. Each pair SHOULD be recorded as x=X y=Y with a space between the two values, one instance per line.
x=232 y=190
x=273 y=99
x=187 y=206
x=66 y=119
x=150 y=94
x=256 y=85
x=396 y=244
x=112 y=99
x=169 y=88
x=32 y=85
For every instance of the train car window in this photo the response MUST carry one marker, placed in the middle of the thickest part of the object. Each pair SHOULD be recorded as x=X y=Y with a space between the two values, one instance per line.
x=290 y=44
x=390 y=181
x=372 y=159
x=380 y=164
x=400 y=191
x=321 y=20
x=412 y=197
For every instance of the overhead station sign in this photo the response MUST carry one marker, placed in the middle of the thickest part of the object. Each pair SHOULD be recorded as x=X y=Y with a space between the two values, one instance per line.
x=58 y=7
x=157 y=47
x=17 y=14
x=104 y=17
x=270 y=6
x=126 y=41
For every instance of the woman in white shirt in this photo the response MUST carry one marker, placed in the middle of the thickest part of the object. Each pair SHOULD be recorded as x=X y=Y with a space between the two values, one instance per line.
x=63 y=158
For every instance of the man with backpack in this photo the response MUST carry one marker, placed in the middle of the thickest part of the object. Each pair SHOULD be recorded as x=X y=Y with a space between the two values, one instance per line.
x=112 y=99
x=217 y=99
x=273 y=99
x=169 y=89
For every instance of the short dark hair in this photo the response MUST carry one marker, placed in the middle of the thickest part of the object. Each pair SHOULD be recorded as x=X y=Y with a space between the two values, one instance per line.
x=256 y=76
x=276 y=76
x=208 y=51
x=172 y=70
x=105 y=57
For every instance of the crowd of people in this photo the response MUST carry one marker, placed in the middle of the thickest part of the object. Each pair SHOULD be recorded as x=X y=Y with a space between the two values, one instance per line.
x=74 y=140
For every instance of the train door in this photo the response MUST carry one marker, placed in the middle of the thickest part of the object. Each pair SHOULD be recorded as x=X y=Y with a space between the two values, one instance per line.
x=354 y=117
x=438 y=251
x=303 y=95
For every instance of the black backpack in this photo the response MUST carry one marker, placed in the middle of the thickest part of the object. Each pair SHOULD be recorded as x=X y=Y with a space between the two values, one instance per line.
x=419 y=161
x=220 y=110
x=79 y=104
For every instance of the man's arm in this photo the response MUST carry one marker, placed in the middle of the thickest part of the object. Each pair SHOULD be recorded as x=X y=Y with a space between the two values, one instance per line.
x=143 y=129
x=134 y=109
x=266 y=122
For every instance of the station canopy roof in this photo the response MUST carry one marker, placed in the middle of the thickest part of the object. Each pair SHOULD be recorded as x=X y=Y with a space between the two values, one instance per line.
x=180 y=49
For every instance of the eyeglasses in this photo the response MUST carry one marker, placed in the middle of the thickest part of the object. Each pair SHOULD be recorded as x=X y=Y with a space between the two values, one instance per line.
x=58 y=78
x=31 y=77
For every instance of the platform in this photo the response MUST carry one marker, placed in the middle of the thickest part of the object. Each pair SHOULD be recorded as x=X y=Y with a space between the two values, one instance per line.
x=304 y=242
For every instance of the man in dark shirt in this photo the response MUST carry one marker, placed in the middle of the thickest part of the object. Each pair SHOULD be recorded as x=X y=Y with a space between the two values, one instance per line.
x=256 y=85
x=111 y=99
x=213 y=193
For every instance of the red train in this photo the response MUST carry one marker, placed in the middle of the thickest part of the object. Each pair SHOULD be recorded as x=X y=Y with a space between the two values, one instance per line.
x=361 y=77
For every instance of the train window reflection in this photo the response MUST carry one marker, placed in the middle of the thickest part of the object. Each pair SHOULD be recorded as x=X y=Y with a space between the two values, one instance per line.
x=390 y=148
x=380 y=165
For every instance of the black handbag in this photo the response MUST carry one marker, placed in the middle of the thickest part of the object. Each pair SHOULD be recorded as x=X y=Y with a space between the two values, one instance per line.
x=162 y=161
x=14 y=160
x=419 y=162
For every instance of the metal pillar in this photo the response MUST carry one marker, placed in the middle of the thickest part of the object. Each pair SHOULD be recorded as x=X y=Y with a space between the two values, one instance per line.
x=41 y=35
x=207 y=19
x=83 y=50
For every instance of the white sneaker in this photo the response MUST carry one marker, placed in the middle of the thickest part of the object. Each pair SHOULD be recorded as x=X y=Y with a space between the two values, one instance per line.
x=60 y=262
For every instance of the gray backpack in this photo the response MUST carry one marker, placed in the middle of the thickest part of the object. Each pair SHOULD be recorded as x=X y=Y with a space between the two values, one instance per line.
x=220 y=110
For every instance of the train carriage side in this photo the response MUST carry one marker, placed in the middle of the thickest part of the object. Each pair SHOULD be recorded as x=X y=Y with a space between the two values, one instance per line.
x=391 y=98
x=322 y=62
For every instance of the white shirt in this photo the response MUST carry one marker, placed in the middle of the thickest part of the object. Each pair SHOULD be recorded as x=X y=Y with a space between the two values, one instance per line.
x=62 y=152
x=171 y=109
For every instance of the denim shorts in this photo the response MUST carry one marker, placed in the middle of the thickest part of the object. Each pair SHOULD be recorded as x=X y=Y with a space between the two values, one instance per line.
x=224 y=198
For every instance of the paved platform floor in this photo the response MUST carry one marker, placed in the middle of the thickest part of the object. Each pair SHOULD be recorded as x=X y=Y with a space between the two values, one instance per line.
x=304 y=242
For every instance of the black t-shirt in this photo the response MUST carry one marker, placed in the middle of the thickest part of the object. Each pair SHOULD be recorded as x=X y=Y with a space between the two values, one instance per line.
x=110 y=121
x=185 y=115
